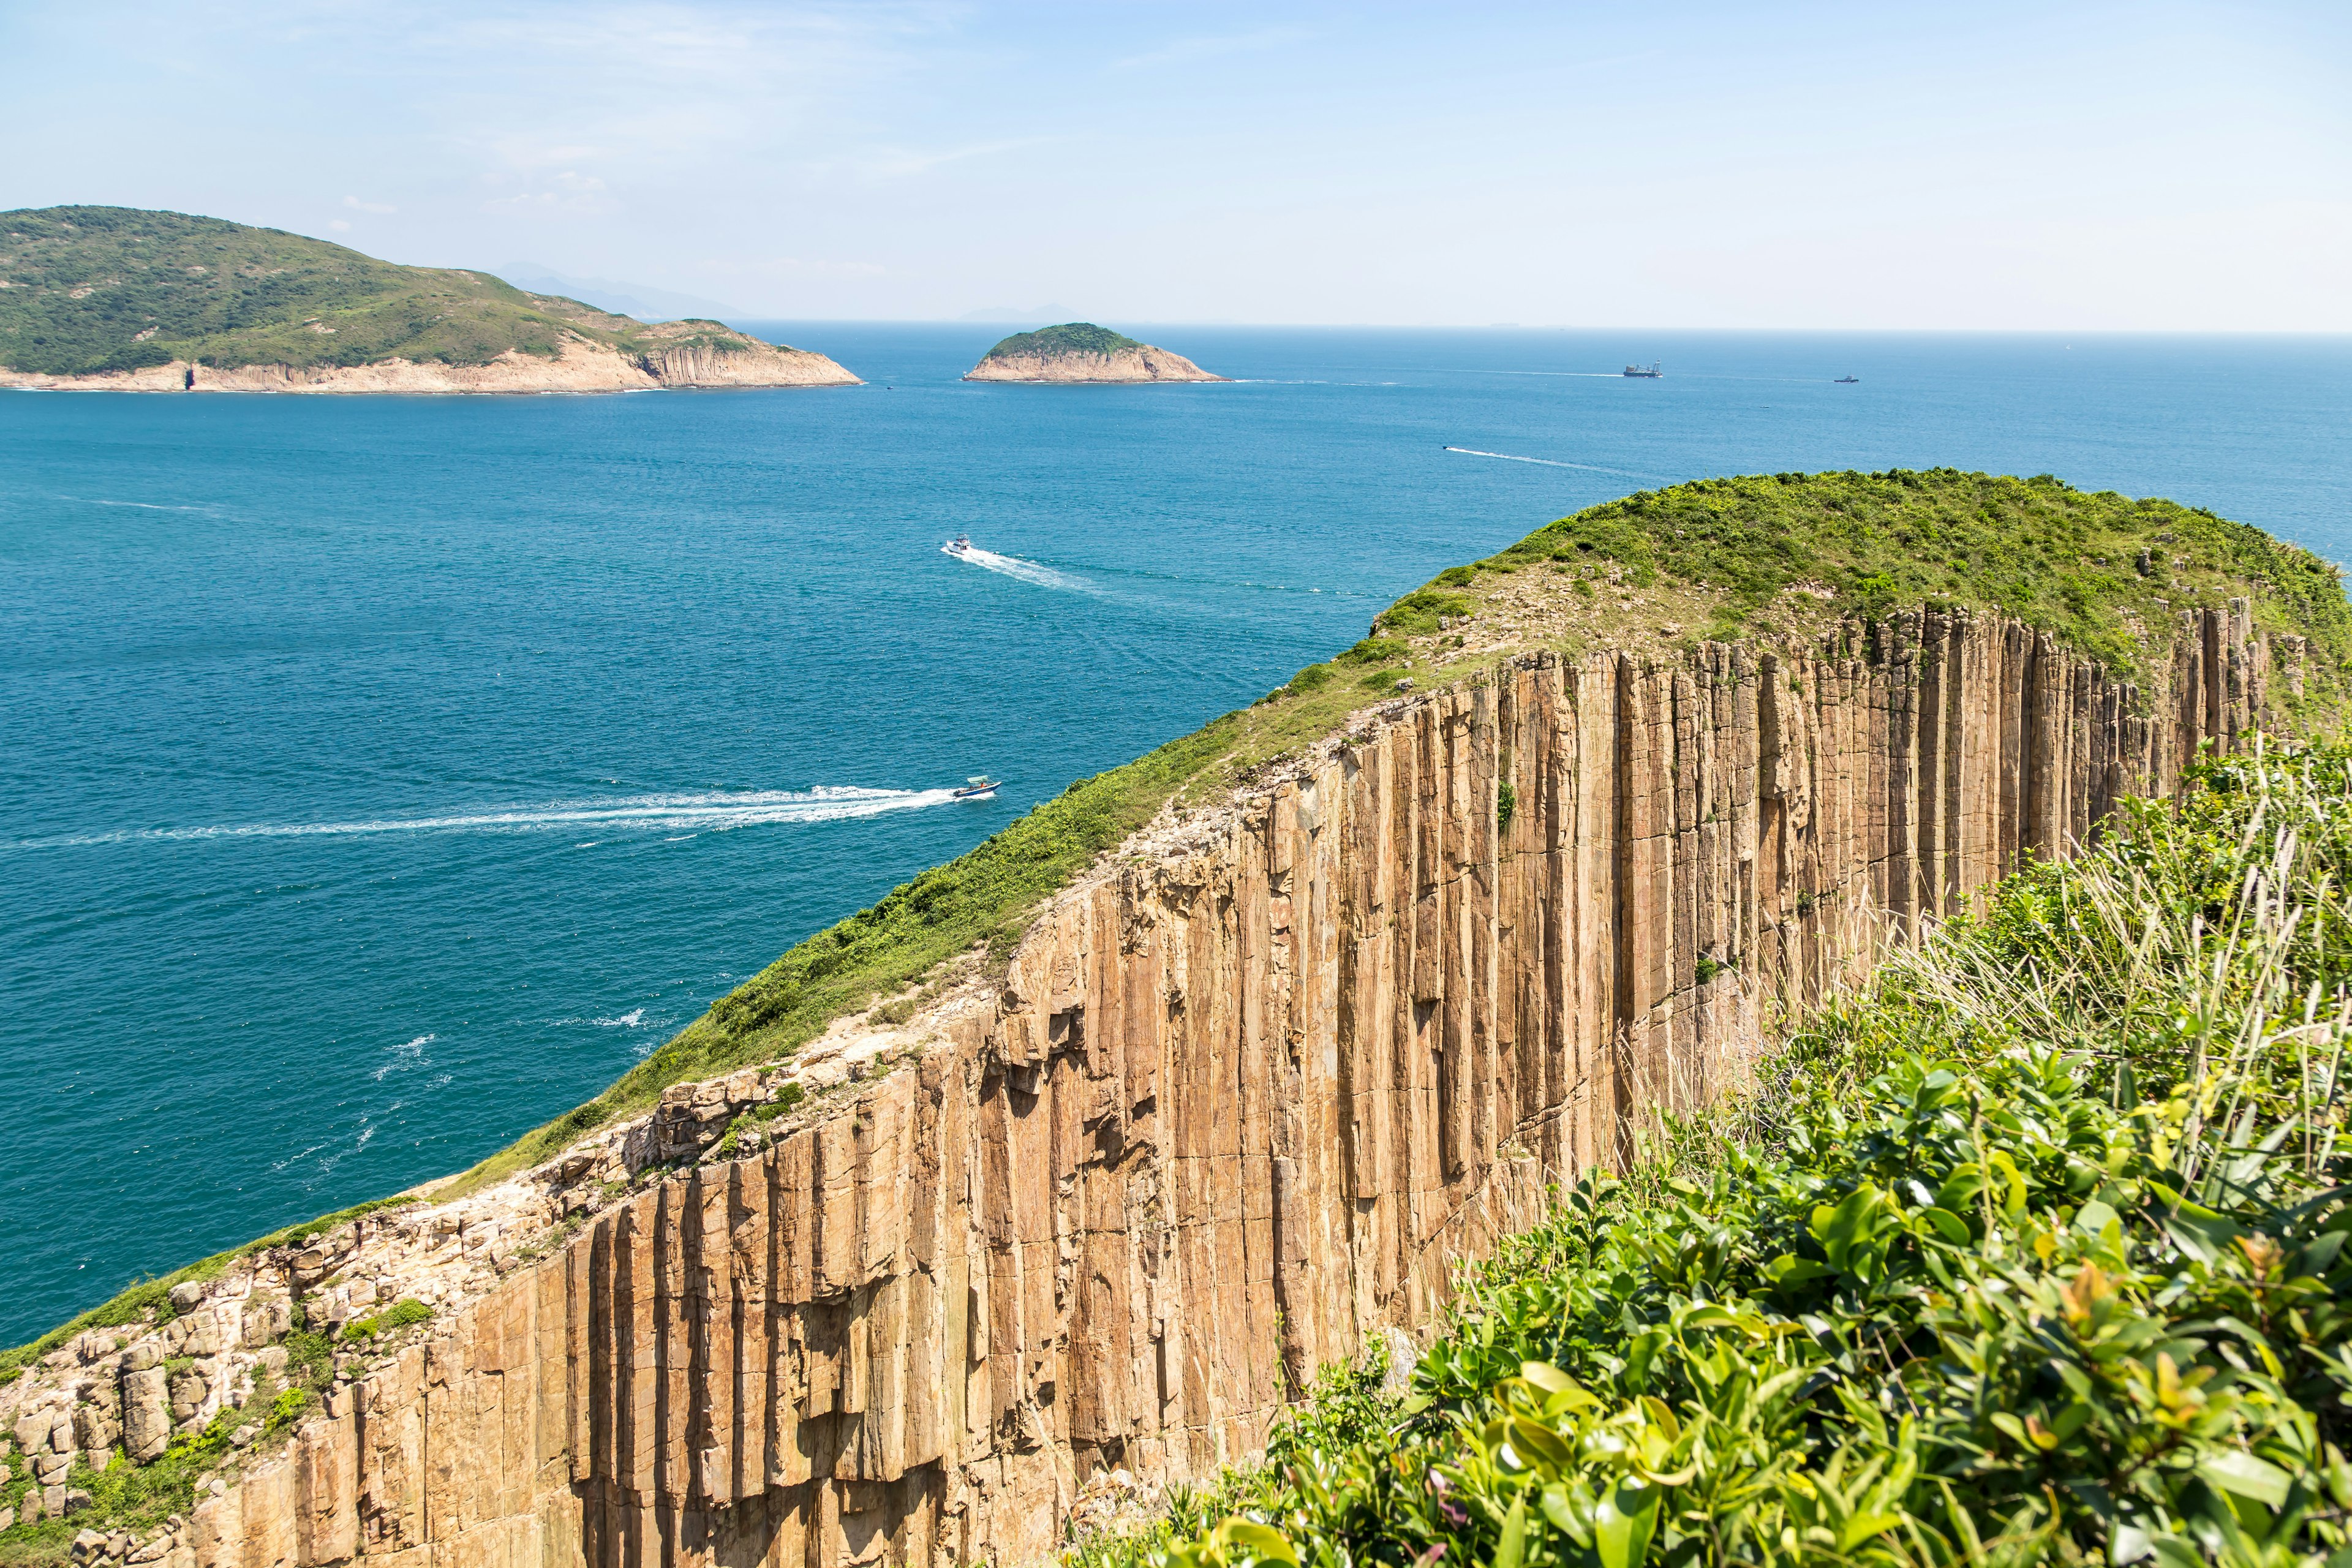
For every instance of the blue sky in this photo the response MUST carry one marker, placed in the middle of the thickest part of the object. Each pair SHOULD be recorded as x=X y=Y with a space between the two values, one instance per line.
x=1980 y=167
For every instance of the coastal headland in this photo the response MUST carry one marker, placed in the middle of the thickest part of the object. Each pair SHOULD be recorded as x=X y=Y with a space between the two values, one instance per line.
x=119 y=299
x=1082 y=352
x=1089 y=1148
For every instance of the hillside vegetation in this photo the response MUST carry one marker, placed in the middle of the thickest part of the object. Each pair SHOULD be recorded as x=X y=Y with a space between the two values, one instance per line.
x=1772 y=552
x=2034 y=1252
x=91 y=289
x=1073 y=338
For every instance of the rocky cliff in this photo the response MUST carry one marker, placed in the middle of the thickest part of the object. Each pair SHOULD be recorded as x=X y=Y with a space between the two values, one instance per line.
x=579 y=364
x=1241 y=1096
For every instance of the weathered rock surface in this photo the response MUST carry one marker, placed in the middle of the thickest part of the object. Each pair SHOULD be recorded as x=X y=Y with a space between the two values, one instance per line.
x=1141 y=363
x=582 y=367
x=1243 y=1096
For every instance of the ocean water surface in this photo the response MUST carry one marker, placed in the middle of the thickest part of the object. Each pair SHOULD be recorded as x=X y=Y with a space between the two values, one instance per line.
x=382 y=776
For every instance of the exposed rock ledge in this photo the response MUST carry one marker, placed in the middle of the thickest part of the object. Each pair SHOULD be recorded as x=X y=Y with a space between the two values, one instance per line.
x=582 y=367
x=1243 y=1094
x=1141 y=363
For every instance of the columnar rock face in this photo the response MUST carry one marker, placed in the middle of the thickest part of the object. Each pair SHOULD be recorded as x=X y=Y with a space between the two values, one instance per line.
x=1245 y=1095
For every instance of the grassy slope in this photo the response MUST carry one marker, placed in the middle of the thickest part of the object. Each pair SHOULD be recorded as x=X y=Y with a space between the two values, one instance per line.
x=1854 y=531
x=87 y=282
x=1074 y=338
x=2033 y=1252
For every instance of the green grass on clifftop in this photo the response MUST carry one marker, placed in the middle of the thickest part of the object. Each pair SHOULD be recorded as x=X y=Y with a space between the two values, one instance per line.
x=115 y=289
x=2101 y=570
x=1073 y=338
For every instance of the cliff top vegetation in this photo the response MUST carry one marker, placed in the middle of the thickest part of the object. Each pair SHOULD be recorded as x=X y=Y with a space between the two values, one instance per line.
x=1770 y=556
x=85 y=290
x=1071 y=337
x=1781 y=554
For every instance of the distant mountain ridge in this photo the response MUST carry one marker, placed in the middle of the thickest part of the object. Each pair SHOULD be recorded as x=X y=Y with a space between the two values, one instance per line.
x=1083 y=352
x=94 y=296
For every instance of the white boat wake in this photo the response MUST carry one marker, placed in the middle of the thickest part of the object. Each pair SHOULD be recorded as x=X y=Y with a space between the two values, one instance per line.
x=715 y=810
x=1551 y=463
x=1013 y=566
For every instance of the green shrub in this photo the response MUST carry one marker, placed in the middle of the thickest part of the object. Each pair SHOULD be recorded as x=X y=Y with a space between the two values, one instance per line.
x=1420 y=612
x=1314 y=677
x=2032 y=1252
x=788 y=1097
x=1375 y=651
x=1456 y=577
x=401 y=1314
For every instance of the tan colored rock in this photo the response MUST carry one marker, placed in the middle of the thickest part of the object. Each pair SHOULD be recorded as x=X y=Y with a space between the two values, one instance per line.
x=582 y=365
x=1141 y=364
x=146 y=1420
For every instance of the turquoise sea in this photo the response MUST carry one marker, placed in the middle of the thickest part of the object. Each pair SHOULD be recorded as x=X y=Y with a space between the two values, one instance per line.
x=380 y=777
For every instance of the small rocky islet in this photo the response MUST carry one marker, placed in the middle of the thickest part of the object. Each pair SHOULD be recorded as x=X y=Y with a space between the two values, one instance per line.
x=1082 y=352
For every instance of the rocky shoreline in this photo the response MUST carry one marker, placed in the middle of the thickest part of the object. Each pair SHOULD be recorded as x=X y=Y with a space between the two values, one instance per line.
x=1143 y=363
x=582 y=367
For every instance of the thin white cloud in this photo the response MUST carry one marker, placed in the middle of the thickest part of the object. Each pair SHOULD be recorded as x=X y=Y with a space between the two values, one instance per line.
x=899 y=163
x=358 y=206
x=1183 y=51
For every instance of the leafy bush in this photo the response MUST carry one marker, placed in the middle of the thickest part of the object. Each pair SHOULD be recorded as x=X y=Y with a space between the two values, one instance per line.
x=2032 y=1252
x=402 y=1314
x=1314 y=677
x=1421 y=611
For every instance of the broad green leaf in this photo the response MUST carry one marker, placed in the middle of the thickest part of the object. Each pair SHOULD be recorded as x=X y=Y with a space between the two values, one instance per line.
x=1789 y=1269
x=1546 y=1377
x=1623 y=1526
x=1948 y=1226
x=1860 y=1527
x=1513 y=1547
x=2235 y=1470
x=1261 y=1542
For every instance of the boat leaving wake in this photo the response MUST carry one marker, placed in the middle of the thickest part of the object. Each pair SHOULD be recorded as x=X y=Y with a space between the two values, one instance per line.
x=1013 y=566
x=716 y=810
x=1552 y=463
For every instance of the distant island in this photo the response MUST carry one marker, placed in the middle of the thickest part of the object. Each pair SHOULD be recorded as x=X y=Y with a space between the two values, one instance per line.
x=122 y=299
x=1080 y=351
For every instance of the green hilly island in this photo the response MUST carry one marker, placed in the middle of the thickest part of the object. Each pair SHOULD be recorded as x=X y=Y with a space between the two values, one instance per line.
x=1074 y=338
x=87 y=291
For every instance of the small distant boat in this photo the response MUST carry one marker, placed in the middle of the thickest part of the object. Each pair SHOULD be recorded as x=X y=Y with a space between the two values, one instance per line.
x=1651 y=373
x=1847 y=381
x=959 y=547
x=980 y=786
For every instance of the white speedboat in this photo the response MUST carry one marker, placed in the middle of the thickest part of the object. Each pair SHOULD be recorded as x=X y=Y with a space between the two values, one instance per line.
x=959 y=547
x=980 y=786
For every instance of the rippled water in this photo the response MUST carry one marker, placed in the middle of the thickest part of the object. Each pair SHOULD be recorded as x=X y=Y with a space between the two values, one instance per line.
x=382 y=776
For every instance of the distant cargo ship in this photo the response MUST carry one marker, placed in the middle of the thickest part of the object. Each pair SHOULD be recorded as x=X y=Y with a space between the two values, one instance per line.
x=1651 y=374
x=1847 y=381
